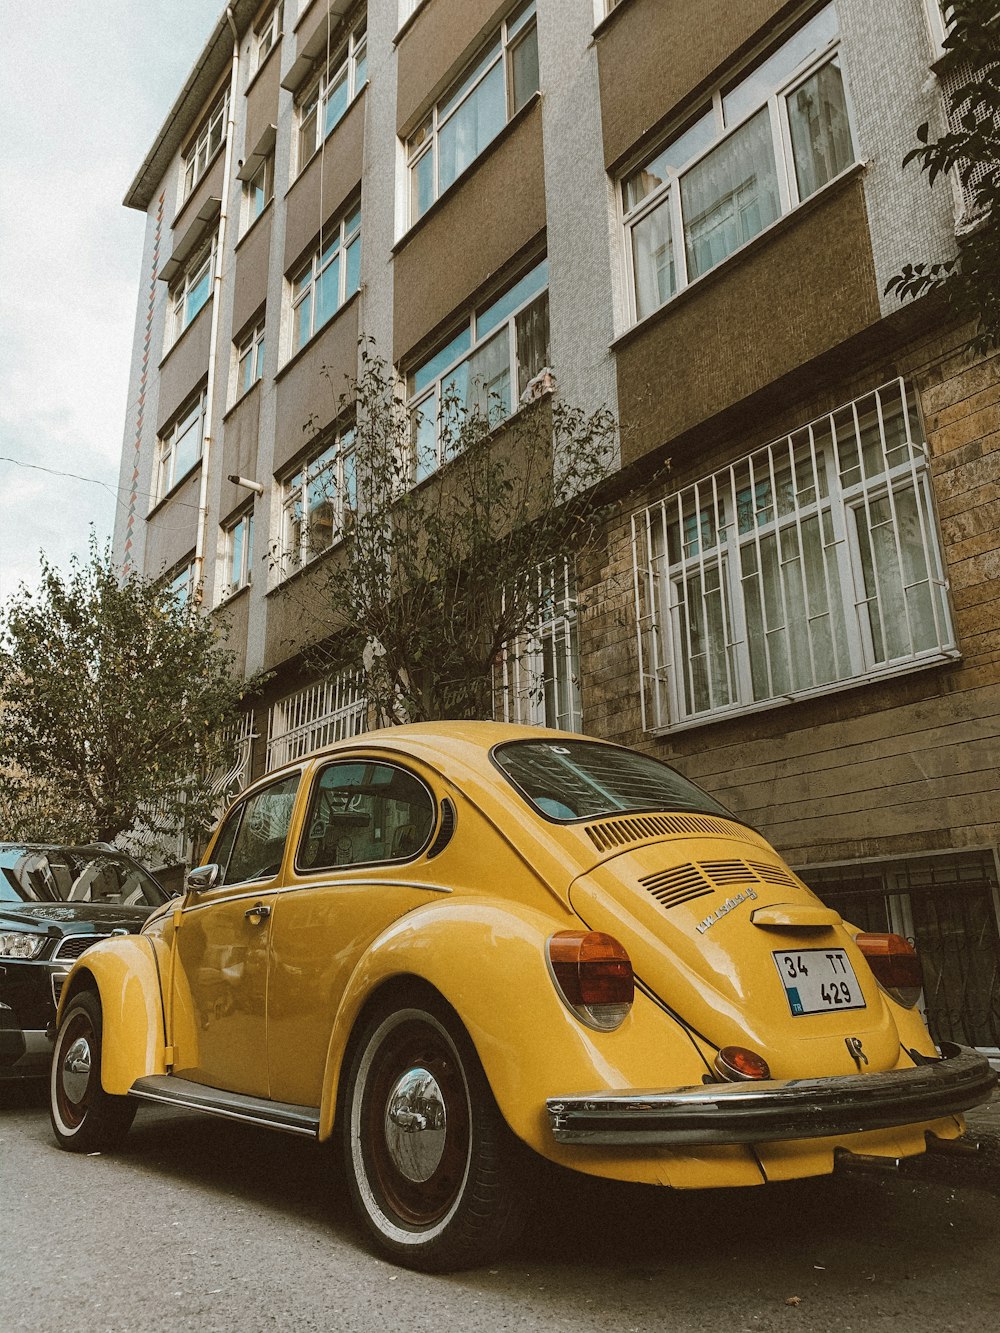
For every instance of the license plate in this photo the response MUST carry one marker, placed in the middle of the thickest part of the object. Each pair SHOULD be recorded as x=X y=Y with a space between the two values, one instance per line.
x=818 y=980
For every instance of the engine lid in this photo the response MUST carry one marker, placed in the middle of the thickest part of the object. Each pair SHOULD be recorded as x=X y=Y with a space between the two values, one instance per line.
x=707 y=921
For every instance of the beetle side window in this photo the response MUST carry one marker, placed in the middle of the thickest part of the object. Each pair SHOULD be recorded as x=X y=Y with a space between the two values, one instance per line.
x=252 y=842
x=363 y=812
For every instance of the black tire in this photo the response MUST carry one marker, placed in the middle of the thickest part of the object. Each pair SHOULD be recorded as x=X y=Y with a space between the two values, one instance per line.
x=85 y=1118
x=435 y=1174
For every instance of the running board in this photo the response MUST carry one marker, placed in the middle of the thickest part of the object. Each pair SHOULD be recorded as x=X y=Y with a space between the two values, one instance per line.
x=171 y=1091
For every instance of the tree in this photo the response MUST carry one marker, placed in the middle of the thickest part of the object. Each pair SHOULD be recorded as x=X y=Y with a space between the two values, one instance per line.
x=114 y=699
x=970 y=282
x=441 y=574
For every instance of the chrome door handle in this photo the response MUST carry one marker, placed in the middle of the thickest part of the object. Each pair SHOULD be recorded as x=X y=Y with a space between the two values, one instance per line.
x=258 y=913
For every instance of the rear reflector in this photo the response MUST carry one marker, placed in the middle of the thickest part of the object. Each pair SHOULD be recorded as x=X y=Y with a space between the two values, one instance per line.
x=593 y=975
x=738 y=1065
x=895 y=964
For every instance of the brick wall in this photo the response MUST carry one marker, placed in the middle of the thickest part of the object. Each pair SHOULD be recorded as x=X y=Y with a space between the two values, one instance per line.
x=904 y=764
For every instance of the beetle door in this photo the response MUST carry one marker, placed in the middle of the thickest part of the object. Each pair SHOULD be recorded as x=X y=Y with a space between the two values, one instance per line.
x=359 y=866
x=221 y=949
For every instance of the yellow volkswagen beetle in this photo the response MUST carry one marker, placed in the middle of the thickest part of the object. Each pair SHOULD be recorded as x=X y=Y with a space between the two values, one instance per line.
x=451 y=947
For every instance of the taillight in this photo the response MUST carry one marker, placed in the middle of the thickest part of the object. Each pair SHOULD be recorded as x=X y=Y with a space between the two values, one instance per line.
x=895 y=964
x=738 y=1065
x=593 y=975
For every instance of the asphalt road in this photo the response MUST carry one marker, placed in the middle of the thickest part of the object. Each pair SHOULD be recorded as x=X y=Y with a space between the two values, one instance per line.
x=202 y=1225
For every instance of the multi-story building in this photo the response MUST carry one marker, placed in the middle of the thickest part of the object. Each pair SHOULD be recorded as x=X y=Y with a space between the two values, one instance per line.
x=690 y=212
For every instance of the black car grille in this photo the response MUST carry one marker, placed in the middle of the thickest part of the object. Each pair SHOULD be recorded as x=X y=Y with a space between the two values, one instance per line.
x=74 y=945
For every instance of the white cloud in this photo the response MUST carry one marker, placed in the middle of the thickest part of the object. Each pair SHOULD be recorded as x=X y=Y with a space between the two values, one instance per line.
x=86 y=90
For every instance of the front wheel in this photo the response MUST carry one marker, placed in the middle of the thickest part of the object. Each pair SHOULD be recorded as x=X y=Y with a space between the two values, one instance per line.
x=434 y=1172
x=85 y=1117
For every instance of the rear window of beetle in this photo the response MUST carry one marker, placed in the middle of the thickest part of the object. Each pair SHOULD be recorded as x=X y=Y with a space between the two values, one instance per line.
x=573 y=780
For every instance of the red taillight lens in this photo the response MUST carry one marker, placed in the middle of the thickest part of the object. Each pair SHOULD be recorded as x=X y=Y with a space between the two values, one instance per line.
x=593 y=974
x=737 y=1065
x=895 y=964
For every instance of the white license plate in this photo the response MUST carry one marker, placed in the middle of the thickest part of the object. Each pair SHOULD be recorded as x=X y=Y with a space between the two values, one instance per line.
x=818 y=980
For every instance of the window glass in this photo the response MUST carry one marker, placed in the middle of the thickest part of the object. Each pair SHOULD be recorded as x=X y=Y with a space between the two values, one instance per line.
x=259 y=842
x=730 y=195
x=653 y=260
x=363 y=812
x=819 y=129
x=478 y=120
x=566 y=780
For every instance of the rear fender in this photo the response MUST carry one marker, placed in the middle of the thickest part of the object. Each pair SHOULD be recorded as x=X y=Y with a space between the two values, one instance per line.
x=488 y=960
x=124 y=974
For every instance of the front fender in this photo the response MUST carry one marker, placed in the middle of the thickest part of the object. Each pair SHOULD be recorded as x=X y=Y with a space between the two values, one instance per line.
x=123 y=971
x=487 y=959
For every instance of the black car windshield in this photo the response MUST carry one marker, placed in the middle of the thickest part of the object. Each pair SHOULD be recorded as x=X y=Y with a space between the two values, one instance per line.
x=567 y=780
x=75 y=875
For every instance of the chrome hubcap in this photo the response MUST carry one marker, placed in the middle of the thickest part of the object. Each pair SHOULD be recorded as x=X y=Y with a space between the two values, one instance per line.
x=76 y=1070
x=416 y=1125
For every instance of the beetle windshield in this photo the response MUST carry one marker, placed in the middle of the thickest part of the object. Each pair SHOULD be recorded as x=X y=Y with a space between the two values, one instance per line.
x=567 y=780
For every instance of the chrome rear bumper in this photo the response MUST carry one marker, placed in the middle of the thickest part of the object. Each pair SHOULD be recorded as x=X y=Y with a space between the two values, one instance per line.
x=798 y=1108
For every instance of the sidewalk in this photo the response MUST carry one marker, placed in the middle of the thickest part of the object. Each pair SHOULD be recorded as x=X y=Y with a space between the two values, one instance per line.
x=984 y=1120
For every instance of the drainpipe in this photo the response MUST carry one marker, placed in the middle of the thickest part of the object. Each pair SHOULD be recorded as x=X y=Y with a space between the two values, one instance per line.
x=213 y=345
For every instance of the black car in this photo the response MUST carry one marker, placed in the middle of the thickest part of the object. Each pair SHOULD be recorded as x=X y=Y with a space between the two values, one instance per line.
x=54 y=903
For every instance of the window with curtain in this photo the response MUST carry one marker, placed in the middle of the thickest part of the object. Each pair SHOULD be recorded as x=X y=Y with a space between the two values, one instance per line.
x=464 y=122
x=760 y=146
x=485 y=368
x=811 y=562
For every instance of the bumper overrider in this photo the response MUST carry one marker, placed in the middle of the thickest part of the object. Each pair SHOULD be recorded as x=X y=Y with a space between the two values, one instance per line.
x=796 y=1108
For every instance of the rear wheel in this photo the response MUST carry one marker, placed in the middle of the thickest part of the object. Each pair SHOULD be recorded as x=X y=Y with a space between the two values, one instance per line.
x=85 y=1117
x=434 y=1173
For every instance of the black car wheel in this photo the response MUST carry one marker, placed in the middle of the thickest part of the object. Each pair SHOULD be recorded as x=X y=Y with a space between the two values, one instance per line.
x=85 y=1118
x=434 y=1172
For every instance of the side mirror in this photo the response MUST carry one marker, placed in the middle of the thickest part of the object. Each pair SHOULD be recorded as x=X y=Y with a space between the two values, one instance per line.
x=203 y=878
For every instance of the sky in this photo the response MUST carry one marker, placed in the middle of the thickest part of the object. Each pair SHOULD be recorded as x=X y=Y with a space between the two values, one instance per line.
x=86 y=88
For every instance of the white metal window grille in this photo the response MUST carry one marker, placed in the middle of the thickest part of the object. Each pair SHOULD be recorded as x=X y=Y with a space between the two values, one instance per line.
x=328 y=96
x=180 y=448
x=318 y=715
x=953 y=79
x=485 y=368
x=948 y=905
x=237 y=751
x=537 y=681
x=250 y=360
x=331 y=277
x=810 y=563
x=474 y=112
x=765 y=144
x=238 y=554
x=319 y=502
x=257 y=192
x=194 y=286
x=267 y=33
x=210 y=139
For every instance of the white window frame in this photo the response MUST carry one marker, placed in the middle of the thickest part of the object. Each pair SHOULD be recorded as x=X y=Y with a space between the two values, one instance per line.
x=179 y=585
x=424 y=404
x=237 y=541
x=190 y=418
x=707 y=599
x=668 y=193
x=211 y=137
x=515 y=30
x=199 y=268
x=249 y=353
x=331 y=710
x=336 y=245
x=350 y=63
x=267 y=33
x=259 y=185
x=330 y=472
x=537 y=680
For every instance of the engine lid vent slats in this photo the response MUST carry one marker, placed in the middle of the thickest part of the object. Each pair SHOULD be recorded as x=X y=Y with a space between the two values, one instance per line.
x=681 y=884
